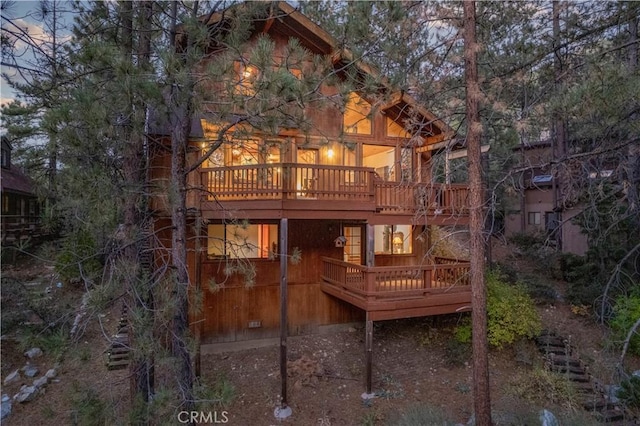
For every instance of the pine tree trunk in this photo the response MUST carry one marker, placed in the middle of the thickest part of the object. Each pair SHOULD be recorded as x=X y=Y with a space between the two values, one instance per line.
x=141 y=366
x=481 y=394
x=179 y=102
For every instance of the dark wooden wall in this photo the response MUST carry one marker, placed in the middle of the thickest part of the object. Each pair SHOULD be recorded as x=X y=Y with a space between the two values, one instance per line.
x=228 y=310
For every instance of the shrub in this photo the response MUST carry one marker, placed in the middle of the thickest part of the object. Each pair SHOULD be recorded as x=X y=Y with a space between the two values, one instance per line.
x=625 y=313
x=78 y=256
x=527 y=242
x=88 y=408
x=629 y=392
x=511 y=313
x=570 y=265
x=539 y=289
x=539 y=386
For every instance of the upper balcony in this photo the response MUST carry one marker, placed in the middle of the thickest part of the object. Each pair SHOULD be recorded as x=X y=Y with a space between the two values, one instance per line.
x=322 y=191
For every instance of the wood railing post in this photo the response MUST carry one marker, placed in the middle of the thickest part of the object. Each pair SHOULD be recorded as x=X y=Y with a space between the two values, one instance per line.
x=427 y=277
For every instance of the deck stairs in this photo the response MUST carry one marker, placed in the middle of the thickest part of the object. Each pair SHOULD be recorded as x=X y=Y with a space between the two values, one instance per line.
x=561 y=358
x=119 y=351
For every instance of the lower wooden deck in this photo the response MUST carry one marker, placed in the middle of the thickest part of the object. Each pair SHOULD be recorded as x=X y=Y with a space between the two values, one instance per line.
x=399 y=292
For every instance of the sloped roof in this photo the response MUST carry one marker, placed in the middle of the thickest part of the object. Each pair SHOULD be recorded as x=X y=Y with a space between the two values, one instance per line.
x=13 y=180
x=283 y=18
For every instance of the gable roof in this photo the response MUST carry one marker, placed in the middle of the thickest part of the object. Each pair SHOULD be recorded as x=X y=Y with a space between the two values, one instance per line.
x=284 y=19
x=13 y=180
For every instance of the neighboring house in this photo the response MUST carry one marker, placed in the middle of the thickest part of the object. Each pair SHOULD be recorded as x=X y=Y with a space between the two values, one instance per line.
x=20 y=207
x=352 y=194
x=534 y=212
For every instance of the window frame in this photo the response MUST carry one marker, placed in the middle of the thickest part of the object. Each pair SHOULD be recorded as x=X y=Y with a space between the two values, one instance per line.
x=226 y=243
x=537 y=218
x=391 y=235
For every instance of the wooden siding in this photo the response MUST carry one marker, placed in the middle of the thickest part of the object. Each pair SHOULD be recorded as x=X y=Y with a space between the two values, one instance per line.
x=228 y=311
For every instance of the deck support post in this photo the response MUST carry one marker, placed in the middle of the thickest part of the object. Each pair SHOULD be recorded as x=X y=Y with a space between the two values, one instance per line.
x=369 y=253
x=368 y=394
x=283 y=411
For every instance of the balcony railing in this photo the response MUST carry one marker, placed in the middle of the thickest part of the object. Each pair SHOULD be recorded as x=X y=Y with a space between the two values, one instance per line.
x=290 y=181
x=394 y=281
x=19 y=227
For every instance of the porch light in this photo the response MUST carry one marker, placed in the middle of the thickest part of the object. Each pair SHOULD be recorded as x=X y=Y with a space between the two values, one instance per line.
x=330 y=153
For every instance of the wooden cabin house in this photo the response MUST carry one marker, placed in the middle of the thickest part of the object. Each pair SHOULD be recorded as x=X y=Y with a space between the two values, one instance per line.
x=20 y=205
x=337 y=212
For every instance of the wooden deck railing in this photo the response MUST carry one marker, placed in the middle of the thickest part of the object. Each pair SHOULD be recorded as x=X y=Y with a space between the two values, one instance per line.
x=393 y=281
x=288 y=181
x=19 y=227
x=435 y=198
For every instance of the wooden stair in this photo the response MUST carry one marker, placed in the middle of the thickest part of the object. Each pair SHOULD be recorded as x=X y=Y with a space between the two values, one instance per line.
x=561 y=359
x=118 y=354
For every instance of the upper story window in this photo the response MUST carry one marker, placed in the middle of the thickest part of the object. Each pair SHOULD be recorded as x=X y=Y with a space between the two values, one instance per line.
x=357 y=114
x=237 y=149
x=395 y=130
x=246 y=75
x=254 y=151
x=5 y=158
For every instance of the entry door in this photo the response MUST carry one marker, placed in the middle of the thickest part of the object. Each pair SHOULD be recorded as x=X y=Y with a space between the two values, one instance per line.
x=306 y=178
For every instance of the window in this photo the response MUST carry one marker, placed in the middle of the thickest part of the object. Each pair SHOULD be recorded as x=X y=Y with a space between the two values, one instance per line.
x=5 y=203
x=245 y=241
x=246 y=152
x=5 y=158
x=395 y=130
x=534 y=218
x=381 y=158
x=393 y=239
x=353 y=247
x=356 y=115
x=246 y=78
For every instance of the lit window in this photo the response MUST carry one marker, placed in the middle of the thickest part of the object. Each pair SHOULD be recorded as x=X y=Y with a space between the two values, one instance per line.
x=255 y=241
x=356 y=115
x=353 y=247
x=393 y=239
x=395 y=130
x=5 y=203
x=247 y=75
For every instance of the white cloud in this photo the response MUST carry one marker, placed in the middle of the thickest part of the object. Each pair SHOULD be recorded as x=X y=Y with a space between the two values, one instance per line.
x=4 y=101
x=33 y=31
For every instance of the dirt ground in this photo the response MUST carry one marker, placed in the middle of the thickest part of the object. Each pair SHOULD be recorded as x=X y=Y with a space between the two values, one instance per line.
x=414 y=364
